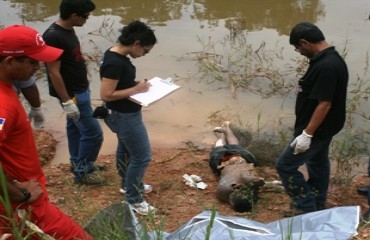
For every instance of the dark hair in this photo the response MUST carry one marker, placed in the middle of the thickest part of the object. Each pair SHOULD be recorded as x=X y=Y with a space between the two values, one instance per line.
x=243 y=199
x=137 y=31
x=306 y=31
x=80 y=7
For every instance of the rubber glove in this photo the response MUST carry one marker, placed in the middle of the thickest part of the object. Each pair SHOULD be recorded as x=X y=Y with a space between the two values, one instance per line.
x=71 y=110
x=301 y=143
x=37 y=116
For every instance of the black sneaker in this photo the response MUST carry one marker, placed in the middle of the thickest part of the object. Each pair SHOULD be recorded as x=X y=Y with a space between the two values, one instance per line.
x=100 y=166
x=366 y=217
x=320 y=207
x=293 y=212
x=363 y=190
x=96 y=167
x=91 y=179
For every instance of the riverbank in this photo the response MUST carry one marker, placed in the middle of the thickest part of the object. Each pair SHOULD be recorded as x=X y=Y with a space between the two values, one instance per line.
x=177 y=202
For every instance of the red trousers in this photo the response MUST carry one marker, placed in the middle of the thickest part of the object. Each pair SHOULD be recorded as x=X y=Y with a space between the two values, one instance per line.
x=51 y=220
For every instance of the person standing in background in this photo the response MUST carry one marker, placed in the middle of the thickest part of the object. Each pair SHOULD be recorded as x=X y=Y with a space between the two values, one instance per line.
x=31 y=94
x=21 y=49
x=366 y=215
x=118 y=83
x=320 y=114
x=68 y=82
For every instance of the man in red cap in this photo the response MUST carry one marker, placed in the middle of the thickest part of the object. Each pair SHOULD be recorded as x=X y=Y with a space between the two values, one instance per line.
x=22 y=178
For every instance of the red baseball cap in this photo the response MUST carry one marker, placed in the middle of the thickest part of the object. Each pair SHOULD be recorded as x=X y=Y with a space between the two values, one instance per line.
x=20 y=40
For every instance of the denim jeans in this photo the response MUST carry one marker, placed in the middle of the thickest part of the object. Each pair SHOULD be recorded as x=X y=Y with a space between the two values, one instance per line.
x=85 y=137
x=306 y=195
x=133 y=151
x=368 y=168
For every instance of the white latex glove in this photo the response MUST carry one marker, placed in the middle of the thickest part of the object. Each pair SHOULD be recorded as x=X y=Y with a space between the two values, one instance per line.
x=71 y=110
x=301 y=143
x=36 y=115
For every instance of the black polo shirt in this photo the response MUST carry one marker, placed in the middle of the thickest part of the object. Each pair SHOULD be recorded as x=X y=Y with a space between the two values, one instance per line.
x=325 y=80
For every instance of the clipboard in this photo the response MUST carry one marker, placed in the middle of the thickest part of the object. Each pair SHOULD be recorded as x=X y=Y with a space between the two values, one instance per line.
x=159 y=88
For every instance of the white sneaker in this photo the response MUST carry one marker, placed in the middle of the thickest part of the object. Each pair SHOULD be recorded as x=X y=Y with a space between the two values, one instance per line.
x=147 y=189
x=143 y=208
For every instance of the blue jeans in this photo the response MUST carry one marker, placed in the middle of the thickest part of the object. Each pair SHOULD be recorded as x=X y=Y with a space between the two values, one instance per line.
x=368 y=168
x=306 y=195
x=85 y=137
x=133 y=151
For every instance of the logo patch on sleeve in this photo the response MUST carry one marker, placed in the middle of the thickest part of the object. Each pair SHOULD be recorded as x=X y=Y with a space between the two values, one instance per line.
x=2 y=122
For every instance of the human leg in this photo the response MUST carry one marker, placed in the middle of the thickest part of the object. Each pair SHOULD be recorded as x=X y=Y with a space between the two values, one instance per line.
x=55 y=223
x=218 y=131
x=73 y=137
x=122 y=161
x=137 y=142
x=318 y=168
x=293 y=180
x=365 y=190
x=229 y=135
x=91 y=137
x=366 y=216
x=132 y=133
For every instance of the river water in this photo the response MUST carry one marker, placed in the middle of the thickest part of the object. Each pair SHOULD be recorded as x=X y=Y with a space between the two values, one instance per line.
x=184 y=27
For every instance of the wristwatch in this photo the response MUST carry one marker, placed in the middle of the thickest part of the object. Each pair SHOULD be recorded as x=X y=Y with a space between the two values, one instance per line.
x=26 y=193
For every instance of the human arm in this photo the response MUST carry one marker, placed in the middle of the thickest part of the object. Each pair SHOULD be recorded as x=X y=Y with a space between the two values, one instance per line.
x=56 y=79
x=108 y=92
x=318 y=116
x=32 y=95
x=16 y=195
x=302 y=142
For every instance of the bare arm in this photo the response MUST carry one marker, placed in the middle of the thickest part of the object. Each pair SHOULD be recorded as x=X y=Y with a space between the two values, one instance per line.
x=57 y=80
x=109 y=93
x=32 y=95
x=15 y=195
x=318 y=117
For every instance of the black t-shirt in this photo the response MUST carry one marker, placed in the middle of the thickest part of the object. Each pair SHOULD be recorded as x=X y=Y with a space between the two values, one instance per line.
x=325 y=80
x=118 y=67
x=73 y=67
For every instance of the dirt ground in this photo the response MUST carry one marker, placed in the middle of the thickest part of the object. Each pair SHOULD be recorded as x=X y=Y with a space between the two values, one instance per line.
x=177 y=202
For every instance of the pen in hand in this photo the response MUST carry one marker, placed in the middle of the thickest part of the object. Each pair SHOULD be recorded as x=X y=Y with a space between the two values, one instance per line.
x=146 y=81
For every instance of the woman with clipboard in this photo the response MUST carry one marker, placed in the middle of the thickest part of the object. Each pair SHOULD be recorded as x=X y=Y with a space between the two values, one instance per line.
x=118 y=83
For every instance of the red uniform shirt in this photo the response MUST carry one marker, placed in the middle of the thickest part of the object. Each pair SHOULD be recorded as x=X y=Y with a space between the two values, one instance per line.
x=18 y=153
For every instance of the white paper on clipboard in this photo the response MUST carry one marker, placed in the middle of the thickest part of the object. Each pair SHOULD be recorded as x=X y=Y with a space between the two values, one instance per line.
x=159 y=88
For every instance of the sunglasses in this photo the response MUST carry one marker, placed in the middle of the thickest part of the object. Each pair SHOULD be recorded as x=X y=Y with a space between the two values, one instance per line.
x=146 y=50
x=297 y=48
x=84 y=16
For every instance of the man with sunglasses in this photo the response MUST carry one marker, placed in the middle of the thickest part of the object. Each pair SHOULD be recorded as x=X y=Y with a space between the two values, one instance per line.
x=68 y=82
x=320 y=114
x=23 y=181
